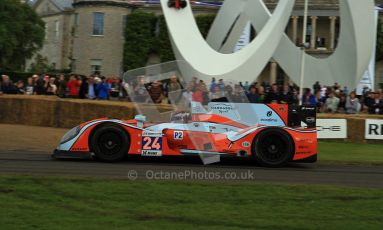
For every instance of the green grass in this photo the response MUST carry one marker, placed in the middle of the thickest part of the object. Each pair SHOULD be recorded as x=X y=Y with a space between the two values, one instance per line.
x=350 y=153
x=69 y=203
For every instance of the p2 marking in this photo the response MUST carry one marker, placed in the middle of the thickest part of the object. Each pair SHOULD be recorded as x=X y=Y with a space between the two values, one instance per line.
x=178 y=135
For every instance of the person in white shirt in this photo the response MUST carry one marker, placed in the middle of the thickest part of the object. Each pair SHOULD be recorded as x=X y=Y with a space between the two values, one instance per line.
x=51 y=86
x=352 y=104
x=29 y=88
x=332 y=103
x=91 y=89
x=187 y=96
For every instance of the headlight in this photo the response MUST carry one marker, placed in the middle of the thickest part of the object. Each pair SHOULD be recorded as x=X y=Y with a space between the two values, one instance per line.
x=70 y=134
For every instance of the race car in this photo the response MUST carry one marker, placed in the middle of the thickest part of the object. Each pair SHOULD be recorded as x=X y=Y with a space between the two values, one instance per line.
x=271 y=134
x=178 y=4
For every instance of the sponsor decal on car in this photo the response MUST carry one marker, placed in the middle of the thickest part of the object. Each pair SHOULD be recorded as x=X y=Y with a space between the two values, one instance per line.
x=151 y=144
x=222 y=108
x=246 y=144
x=303 y=152
x=310 y=119
x=79 y=149
x=269 y=120
x=269 y=114
x=306 y=140
x=151 y=134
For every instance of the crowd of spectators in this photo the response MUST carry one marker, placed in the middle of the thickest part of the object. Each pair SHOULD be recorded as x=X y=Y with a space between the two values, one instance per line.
x=92 y=87
x=337 y=99
x=327 y=99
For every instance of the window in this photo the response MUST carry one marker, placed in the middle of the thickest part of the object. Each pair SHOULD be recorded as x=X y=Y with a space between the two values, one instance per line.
x=47 y=8
x=98 y=23
x=46 y=30
x=73 y=65
x=76 y=19
x=57 y=29
x=76 y=23
x=309 y=28
x=95 y=66
x=309 y=32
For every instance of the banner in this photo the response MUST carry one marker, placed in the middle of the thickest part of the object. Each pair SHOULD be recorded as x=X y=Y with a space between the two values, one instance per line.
x=374 y=129
x=332 y=128
x=368 y=79
x=244 y=40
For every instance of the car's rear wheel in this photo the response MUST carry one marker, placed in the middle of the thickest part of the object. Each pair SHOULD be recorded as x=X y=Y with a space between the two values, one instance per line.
x=110 y=143
x=273 y=147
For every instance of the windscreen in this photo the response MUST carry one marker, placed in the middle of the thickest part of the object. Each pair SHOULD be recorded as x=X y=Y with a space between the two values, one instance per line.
x=171 y=90
x=174 y=93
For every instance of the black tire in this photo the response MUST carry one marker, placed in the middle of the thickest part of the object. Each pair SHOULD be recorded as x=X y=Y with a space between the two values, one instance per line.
x=110 y=143
x=273 y=147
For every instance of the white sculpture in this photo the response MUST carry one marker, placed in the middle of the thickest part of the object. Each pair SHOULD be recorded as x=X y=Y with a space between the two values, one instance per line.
x=212 y=58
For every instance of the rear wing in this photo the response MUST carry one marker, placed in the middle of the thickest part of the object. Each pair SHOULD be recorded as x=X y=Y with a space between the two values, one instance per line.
x=305 y=116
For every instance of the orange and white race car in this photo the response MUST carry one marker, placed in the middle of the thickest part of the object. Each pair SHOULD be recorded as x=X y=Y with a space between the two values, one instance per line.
x=271 y=134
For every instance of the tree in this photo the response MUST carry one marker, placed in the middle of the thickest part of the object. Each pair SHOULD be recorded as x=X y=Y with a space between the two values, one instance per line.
x=22 y=33
x=204 y=23
x=40 y=65
x=147 y=34
x=164 y=45
x=139 y=39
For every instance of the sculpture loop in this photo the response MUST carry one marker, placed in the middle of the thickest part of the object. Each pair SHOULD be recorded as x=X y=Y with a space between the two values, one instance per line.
x=214 y=57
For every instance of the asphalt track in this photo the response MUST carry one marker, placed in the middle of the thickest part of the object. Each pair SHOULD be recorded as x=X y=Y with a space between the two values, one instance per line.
x=190 y=168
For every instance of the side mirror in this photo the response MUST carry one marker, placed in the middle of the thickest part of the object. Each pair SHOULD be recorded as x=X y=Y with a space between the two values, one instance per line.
x=140 y=120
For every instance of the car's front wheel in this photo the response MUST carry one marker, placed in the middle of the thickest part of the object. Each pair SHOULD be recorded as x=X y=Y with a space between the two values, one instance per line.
x=110 y=143
x=273 y=147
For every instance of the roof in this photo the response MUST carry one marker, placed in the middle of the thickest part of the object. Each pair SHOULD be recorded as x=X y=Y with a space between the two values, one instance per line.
x=63 y=4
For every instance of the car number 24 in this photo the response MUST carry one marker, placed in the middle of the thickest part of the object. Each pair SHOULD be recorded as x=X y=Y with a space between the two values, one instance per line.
x=151 y=145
